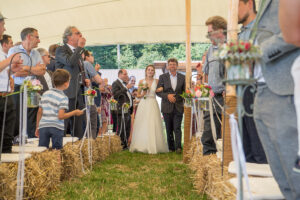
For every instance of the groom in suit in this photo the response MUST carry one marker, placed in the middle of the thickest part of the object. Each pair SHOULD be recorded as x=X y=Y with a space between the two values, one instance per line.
x=120 y=90
x=172 y=84
x=274 y=110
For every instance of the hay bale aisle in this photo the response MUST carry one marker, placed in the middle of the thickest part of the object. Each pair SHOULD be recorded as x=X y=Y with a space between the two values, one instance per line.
x=207 y=176
x=45 y=171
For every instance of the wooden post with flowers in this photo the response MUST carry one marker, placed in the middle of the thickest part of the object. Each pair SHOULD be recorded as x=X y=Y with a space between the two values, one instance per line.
x=187 y=110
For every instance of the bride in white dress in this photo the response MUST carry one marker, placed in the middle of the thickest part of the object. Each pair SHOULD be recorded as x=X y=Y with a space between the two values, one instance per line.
x=147 y=135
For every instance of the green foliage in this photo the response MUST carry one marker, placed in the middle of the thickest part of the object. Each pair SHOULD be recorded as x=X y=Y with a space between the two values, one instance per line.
x=148 y=57
x=128 y=175
x=178 y=52
x=140 y=55
x=106 y=56
x=128 y=60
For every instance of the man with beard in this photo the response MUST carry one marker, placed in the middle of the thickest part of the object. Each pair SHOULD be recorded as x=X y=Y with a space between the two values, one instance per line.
x=253 y=149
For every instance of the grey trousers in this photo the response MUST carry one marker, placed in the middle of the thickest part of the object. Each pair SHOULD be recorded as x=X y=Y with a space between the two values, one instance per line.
x=275 y=119
x=93 y=116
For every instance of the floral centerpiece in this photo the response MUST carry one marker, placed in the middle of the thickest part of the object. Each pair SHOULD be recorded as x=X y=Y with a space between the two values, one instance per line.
x=188 y=95
x=91 y=94
x=144 y=87
x=34 y=86
x=200 y=93
x=113 y=104
x=239 y=57
x=126 y=107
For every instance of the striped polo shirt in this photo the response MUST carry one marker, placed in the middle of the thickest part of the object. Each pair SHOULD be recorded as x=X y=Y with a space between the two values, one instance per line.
x=52 y=101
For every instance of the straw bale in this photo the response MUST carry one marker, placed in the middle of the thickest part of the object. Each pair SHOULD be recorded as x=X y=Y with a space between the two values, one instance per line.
x=115 y=144
x=42 y=174
x=207 y=174
x=71 y=165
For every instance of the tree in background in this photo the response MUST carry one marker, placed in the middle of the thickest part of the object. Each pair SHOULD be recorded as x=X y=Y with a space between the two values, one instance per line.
x=140 y=55
x=106 y=56
x=148 y=58
x=128 y=60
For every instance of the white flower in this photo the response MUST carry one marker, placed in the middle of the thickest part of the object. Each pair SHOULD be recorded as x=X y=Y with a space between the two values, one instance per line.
x=223 y=54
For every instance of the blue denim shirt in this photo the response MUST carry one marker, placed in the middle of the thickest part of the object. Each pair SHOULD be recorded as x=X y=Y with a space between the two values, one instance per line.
x=35 y=57
x=245 y=31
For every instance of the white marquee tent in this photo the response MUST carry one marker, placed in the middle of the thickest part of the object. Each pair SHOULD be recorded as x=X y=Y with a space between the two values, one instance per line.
x=104 y=22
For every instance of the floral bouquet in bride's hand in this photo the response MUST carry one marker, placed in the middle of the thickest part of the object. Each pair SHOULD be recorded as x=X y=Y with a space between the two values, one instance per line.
x=144 y=87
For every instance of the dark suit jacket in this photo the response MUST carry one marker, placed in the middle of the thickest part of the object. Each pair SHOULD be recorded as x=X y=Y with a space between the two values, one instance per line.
x=43 y=81
x=120 y=94
x=165 y=82
x=51 y=65
x=66 y=59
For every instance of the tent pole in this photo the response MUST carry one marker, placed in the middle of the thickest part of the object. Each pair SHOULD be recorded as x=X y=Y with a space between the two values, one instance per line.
x=187 y=110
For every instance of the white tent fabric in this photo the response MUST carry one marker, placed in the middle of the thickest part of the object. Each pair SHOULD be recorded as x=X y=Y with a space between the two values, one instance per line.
x=104 y=22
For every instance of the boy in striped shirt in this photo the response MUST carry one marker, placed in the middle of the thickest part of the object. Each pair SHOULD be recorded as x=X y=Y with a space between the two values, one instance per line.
x=52 y=111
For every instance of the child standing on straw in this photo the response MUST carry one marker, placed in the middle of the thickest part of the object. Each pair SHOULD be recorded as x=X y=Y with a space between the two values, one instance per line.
x=51 y=113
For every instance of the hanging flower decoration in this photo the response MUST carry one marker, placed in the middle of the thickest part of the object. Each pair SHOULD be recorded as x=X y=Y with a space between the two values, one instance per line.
x=239 y=51
x=91 y=93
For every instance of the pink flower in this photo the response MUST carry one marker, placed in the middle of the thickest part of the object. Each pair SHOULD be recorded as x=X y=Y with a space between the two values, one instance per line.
x=198 y=93
x=211 y=93
x=35 y=82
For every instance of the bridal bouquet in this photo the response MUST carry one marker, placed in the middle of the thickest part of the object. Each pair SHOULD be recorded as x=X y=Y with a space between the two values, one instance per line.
x=144 y=87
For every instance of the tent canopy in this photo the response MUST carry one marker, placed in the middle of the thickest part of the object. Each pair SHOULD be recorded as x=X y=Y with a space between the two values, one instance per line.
x=104 y=22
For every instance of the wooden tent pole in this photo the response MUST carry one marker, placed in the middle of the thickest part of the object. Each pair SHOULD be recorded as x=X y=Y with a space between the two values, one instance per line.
x=187 y=110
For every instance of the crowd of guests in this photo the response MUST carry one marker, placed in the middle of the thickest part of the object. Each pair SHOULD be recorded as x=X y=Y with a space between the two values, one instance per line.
x=270 y=136
x=65 y=72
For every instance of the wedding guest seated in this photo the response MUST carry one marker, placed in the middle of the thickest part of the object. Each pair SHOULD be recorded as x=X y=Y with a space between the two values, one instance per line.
x=52 y=111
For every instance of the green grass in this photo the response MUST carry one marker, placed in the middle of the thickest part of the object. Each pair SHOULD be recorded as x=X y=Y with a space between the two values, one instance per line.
x=128 y=175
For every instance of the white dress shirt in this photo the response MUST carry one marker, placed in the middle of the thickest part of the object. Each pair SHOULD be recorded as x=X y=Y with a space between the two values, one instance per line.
x=173 y=81
x=4 y=77
x=48 y=80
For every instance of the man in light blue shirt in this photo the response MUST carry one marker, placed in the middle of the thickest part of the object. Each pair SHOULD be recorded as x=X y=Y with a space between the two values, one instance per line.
x=95 y=78
x=214 y=69
x=32 y=66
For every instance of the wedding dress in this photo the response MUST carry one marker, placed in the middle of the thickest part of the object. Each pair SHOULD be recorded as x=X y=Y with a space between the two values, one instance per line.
x=148 y=135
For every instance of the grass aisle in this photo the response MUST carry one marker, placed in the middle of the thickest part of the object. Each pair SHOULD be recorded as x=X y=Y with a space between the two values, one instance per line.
x=128 y=175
